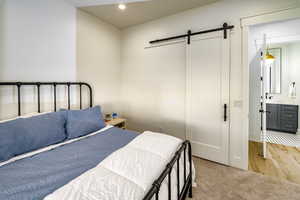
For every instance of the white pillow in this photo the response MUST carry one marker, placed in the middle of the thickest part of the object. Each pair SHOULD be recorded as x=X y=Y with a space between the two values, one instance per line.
x=34 y=114
x=7 y=120
x=25 y=116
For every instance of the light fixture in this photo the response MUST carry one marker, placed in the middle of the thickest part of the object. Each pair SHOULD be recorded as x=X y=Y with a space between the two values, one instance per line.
x=269 y=58
x=122 y=6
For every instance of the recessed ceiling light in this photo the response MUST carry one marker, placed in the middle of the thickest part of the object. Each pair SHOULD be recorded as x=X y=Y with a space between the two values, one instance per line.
x=122 y=6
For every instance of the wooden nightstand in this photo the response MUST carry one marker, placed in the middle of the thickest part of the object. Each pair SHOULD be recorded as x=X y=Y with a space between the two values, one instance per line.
x=118 y=122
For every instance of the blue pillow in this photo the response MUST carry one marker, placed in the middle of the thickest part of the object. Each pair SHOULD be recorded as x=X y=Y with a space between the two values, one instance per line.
x=10 y=137
x=84 y=122
x=27 y=134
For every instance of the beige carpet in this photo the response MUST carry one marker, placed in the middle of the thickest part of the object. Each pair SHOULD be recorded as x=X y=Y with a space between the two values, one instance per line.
x=218 y=182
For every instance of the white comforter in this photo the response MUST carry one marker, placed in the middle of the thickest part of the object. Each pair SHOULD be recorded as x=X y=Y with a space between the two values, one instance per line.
x=128 y=173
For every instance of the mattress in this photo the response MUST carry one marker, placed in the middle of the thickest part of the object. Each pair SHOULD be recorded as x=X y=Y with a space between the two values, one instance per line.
x=128 y=173
x=34 y=177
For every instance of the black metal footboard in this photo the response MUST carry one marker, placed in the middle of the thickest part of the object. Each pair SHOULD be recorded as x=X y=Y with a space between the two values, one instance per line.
x=187 y=187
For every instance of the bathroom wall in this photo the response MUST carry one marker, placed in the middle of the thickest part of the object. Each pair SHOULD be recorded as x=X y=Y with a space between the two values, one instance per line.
x=290 y=72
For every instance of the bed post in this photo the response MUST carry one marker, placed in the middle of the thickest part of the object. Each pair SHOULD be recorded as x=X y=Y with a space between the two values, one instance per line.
x=187 y=187
x=191 y=173
x=19 y=98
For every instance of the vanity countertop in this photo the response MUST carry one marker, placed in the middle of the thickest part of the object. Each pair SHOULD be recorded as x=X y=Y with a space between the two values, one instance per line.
x=292 y=102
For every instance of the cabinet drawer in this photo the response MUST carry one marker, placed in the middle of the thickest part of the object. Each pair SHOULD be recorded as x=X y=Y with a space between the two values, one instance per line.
x=289 y=130
x=289 y=108
x=288 y=121
x=288 y=126
x=288 y=116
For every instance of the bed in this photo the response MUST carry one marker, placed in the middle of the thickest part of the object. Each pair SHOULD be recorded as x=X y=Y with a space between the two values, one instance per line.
x=104 y=163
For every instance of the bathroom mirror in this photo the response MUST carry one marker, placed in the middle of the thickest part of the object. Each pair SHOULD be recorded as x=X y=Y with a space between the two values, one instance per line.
x=274 y=71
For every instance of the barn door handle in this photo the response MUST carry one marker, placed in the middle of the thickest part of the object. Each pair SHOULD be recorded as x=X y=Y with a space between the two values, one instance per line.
x=225 y=112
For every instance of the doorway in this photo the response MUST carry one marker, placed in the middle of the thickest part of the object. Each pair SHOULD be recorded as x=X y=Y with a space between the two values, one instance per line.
x=274 y=139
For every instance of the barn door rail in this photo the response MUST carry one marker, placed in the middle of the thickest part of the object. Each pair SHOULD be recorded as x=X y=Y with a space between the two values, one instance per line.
x=224 y=28
x=54 y=84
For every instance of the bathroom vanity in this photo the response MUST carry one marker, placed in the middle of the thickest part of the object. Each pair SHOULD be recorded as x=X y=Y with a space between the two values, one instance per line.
x=282 y=117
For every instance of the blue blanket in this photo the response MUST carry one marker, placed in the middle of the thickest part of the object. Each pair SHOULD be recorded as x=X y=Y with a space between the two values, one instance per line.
x=35 y=177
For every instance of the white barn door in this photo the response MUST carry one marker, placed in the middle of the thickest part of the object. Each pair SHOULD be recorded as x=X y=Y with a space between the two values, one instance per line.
x=208 y=67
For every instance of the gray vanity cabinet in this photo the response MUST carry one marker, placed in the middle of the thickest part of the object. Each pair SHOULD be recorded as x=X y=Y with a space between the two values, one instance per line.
x=282 y=118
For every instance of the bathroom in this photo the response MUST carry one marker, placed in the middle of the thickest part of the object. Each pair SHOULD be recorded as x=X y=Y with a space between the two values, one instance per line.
x=274 y=137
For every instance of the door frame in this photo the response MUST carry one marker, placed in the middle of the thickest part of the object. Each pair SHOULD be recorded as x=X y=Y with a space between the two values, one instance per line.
x=281 y=15
x=188 y=96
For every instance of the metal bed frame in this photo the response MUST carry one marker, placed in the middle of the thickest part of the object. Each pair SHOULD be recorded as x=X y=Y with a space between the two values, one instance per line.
x=154 y=190
x=54 y=84
x=187 y=187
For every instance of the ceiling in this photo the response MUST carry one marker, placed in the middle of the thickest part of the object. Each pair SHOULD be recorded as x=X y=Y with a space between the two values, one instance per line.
x=141 y=12
x=85 y=3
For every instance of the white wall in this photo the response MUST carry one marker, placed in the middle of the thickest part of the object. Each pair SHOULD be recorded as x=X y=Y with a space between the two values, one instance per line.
x=38 y=41
x=276 y=32
x=47 y=41
x=39 y=38
x=1 y=33
x=153 y=81
x=290 y=72
x=98 y=59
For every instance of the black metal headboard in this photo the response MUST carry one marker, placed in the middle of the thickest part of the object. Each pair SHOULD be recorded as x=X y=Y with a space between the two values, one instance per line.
x=54 y=84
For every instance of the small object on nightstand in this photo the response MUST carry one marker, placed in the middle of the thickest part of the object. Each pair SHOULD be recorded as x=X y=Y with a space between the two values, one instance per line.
x=114 y=115
x=117 y=122
x=107 y=117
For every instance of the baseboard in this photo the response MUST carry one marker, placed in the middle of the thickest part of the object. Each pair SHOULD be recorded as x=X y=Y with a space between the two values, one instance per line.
x=239 y=163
